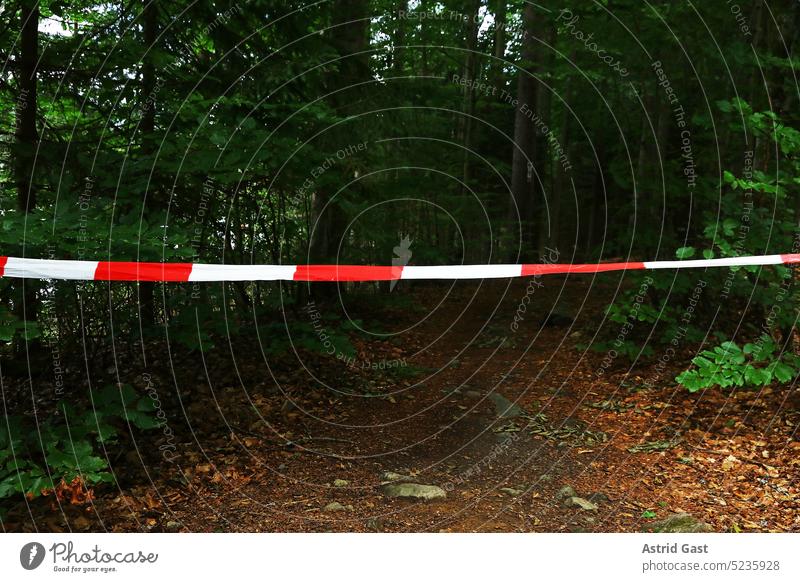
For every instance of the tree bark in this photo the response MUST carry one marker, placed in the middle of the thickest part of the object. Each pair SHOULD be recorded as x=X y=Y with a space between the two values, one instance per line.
x=147 y=312
x=543 y=176
x=349 y=35
x=551 y=237
x=470 y=61
x=524 y=142
x=398 y=55
x=499 y=49
x=26 y=136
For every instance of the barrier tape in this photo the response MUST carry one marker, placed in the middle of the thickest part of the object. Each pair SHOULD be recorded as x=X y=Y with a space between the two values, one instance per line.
x=187 y=272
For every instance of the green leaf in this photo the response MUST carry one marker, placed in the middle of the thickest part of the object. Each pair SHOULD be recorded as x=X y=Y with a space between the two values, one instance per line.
x=684 y=252
x=753 y=375
x=729 y=226
x=784 y=373
x=702 y=362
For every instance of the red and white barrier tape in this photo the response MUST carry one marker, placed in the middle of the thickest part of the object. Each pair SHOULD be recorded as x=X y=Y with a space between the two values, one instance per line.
x=133 y=271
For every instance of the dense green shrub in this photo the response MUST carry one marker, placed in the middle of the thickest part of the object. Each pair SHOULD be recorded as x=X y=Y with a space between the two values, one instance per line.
x=37 y=456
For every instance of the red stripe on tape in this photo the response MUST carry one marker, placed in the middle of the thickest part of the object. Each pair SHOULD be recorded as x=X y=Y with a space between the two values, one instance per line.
x=130 y=271
x=3 y=261
x=555 y=269
x=791 y=258
x=346 y=273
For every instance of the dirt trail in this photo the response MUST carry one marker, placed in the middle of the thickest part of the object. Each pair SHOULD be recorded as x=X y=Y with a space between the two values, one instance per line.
x=500 y=416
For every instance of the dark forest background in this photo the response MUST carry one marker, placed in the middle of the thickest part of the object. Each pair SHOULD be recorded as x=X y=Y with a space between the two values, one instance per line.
x=298 y=132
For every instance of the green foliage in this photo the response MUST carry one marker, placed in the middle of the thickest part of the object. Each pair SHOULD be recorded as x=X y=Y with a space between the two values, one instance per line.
x=738 y=219
x=11 y=326
x=36 y=457
x=727 y=365
x=326 y=336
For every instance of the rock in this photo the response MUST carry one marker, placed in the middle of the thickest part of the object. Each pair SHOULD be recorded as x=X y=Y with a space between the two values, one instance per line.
x=340 y=483
x=173 y=525
x=598 y=497
x=511 y=491
x=392 y=477
x=566 y=492
x=334 y=506
x=580 y=502
x=504 y=408
x=413 y=491
x=679 y=523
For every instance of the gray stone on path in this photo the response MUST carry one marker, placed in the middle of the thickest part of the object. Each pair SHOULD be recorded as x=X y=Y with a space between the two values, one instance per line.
x=504 y=408
x=392 y=477
x=566 y=492
x=679 y=523
x=598 y=497
x=581 y=503
x=512 y=491
x=334 y=506
x=413 y=491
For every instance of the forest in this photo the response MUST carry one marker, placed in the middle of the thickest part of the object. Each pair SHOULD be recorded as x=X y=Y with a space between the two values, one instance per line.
x=401 y=133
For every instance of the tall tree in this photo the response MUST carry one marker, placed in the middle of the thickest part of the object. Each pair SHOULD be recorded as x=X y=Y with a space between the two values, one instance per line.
x=524 y=137
x=399 y=41
x=26 y=136
x=349 y=35
x=542 y=186
x=470 y=66
x=148 y=126
x=500 y=11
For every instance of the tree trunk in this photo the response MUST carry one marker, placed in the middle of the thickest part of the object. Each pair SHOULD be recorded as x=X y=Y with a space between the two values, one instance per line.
x=147 y=314
x=549 y=237
x=470 y=61
x=597 y=204
x=524 y=143
x=500 y=19
x=398 y=55
x=543 y=175
x=349 y=35
x=26 y=136
x=641 y=167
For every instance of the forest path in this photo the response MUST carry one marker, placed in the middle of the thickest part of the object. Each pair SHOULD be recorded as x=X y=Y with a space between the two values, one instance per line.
x=501 y=417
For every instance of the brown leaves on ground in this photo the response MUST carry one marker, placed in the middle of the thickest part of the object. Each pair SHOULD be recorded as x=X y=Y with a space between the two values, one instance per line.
x=255 y=463
x=73 y=493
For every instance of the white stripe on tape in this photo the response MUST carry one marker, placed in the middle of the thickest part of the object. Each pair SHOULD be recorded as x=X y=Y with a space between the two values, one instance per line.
x=202 y=272
x=50 y=269
x=462 y=272
x=726 y=262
